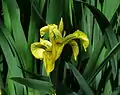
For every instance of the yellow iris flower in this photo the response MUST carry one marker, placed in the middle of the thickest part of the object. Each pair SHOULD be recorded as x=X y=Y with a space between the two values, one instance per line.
x=50 y=51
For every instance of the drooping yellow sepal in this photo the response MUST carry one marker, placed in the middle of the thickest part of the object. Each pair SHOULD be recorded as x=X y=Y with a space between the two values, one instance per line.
x=59 y=48
x=83 y=37
x=45 y=43
x=37 y=50
x=77 y=35
x=49 y=61
x=75 y=48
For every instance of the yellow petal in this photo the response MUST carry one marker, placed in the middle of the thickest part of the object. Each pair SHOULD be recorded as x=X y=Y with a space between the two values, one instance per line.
x=47 y=28
x=37 y=50
x=75 y=48
x=61 y=25
x=49 y=62
x=54 y=52
x=57 y=34
x=43 y=30
x=52 y=27
x=83 y=37
x=57 y=47
x=64 y=33
x=45 y=43
x=54 y=33
x=78 y=35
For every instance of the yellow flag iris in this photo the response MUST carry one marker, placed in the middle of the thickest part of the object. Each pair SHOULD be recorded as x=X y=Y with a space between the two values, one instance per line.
x=50 y=50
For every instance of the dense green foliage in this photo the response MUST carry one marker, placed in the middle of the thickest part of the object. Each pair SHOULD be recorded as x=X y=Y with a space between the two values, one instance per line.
x=96 y=71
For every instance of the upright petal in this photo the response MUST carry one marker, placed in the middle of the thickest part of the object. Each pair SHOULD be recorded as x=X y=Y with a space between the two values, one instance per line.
x=57 y=34
x=61 y=25
x=43 y=30
x=52 y=27
x=54 y=33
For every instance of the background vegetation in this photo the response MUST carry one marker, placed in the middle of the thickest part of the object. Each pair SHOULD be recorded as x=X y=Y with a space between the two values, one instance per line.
x=96 y=71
